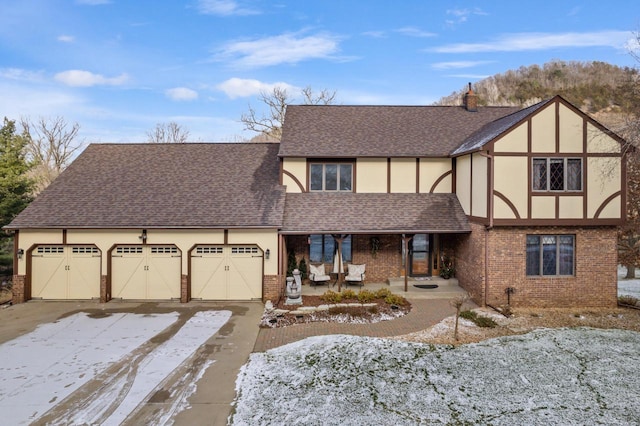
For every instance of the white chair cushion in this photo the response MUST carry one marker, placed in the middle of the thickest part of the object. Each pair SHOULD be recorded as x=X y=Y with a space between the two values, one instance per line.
x=356 y=272
x=316 y=270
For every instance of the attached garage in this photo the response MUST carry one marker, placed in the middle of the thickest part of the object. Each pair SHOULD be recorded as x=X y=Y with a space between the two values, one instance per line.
x=226 y=272
x=145 y=272
x=65 y=272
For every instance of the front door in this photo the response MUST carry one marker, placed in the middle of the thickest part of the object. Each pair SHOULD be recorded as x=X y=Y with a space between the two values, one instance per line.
x=419 y=264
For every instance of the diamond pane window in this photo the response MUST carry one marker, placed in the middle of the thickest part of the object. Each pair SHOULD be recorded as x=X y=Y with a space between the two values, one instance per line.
x=556 y=174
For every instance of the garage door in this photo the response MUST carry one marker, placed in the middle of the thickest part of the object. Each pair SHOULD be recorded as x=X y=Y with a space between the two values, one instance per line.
x=65 y=272
x=226 y=272
x=142 y=272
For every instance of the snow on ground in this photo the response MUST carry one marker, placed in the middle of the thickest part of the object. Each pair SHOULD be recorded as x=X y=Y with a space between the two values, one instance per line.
x=628 y=287
x=561 y=376
x=55 y=360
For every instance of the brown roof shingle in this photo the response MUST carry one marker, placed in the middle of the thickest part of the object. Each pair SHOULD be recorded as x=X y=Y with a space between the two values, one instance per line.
x=205 y=185
x=352 y=213
x=380 y=131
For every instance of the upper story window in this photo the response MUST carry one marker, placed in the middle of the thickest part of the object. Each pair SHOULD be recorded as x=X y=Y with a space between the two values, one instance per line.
x=331 y=177
x=557 y=174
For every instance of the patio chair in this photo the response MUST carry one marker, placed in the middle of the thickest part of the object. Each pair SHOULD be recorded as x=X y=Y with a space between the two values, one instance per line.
x=317 y=275
x=355 y=274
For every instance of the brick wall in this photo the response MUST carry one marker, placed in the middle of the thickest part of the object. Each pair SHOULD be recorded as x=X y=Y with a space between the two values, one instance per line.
x=387 y=262
x=469 y=257
x=185 y=289
x=104 y=296
x=273 y=287
x=18 y=289
x=594 y=284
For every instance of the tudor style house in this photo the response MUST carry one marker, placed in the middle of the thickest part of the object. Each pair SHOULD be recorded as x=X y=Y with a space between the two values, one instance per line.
x=521 y=199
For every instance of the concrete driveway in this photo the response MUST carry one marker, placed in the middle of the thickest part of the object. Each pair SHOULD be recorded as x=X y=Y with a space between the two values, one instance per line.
x=122 y=362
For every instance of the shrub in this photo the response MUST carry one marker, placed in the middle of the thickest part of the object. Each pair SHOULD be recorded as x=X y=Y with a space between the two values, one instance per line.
x=331 y=296
x=303 y=268
x=394 y=299
x=383 y=293
x=627 y=300
x=349 y=295
x=366 y=296
x=478 y=320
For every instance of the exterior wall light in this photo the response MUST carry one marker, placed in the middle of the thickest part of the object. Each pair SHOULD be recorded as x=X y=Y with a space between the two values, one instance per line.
x=267 y=254
x=20 y=253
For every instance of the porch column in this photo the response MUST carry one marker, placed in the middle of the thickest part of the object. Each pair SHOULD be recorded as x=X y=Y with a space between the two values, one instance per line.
x=338 y=239
x=406 y=238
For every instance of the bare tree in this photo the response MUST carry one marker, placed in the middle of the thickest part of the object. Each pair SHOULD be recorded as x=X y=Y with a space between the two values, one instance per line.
x=171 y=132
x=269 y=125
x=51 y=144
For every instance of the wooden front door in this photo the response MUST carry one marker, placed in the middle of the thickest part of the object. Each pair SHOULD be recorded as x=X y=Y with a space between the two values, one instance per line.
x=419 y=255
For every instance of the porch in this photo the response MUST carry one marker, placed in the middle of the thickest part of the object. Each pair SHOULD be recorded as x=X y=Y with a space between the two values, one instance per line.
x=446 y=289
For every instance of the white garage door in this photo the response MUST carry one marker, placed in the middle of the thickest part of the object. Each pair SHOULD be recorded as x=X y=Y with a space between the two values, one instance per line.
x=142 y=272
x=226 y=272
x=65 y=272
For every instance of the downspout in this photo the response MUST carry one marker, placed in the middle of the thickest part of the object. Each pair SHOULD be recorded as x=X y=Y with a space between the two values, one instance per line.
x=488 y=227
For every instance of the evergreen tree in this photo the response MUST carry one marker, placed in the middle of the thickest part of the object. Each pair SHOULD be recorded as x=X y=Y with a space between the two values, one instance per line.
x=15 y=185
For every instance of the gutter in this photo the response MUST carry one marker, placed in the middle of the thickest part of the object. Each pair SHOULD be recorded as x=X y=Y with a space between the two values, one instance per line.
x=488 y=227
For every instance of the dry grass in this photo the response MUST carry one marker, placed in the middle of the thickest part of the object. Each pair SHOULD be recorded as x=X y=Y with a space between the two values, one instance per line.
x=525 y=320
x=5 y=295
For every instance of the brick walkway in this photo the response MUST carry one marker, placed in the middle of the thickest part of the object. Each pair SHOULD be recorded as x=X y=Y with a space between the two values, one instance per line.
x=424 y=313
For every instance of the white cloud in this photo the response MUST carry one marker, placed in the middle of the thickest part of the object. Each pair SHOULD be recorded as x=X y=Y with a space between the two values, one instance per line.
x=242 y=88
x=462 y=15
x=633 y=45
x=374 y=34
x=540 y=41
x=66 y=38
x=19 y=99
x=224 y=8
x=458 y=64
x=181 y=94
x=415 y=32
x=470 y=76
x=81 y=78
x=21 y=75
x=281 y=49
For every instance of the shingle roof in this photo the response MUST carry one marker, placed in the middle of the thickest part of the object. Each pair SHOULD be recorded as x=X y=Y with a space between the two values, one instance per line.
x=350 y=213
x=493 y=129
x=165 y=186
x=380 y=131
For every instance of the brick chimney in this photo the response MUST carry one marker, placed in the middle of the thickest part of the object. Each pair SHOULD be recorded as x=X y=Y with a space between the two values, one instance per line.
x=470 y=100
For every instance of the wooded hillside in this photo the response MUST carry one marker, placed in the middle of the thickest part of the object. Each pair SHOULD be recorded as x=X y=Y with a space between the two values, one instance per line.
x=592 y=86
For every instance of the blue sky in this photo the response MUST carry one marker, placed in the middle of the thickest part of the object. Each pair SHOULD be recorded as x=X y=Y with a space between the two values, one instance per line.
x=118 y=67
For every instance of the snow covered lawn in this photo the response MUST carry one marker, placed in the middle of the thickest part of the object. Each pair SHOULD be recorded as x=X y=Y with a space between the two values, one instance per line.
x=48 y=374
x=561 y=376
x=628 y=287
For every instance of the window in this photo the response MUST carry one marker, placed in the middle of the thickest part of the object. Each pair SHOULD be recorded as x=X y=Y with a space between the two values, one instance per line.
x=557 y=174
x=550 y=255
x=322 y=248
x=331 y=177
